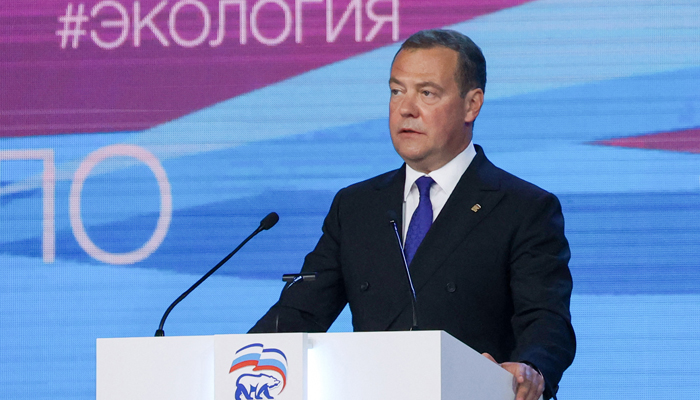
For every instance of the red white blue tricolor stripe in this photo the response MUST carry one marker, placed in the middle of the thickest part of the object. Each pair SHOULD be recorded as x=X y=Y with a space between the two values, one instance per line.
x=261 y=359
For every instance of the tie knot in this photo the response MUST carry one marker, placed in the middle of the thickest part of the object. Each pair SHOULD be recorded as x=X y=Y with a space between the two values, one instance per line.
x=423 y=183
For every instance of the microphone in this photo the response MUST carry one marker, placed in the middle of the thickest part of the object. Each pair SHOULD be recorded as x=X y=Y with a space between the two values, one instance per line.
x=268 y=222
x=414 y=304
x=294 y=278
x=291 y=279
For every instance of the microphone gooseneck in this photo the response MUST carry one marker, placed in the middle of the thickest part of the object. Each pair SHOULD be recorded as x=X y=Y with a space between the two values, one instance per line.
x=268 y=222
x=414 y=302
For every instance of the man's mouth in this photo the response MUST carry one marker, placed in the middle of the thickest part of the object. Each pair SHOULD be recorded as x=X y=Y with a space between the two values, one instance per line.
x=408 y=130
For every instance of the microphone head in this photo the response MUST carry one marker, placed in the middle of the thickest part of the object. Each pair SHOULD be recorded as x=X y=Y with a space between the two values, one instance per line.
x=269 y=221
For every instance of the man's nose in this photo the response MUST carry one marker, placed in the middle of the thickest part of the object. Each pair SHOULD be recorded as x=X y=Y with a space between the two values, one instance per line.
x=409 y=108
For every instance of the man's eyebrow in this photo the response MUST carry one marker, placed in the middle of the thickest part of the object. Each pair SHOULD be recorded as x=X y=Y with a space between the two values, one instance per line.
x=429 y=83
x=419 y=85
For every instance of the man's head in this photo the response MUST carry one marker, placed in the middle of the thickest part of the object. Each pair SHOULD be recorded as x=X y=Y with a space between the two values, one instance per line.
x=471 y=67
x=437 y=89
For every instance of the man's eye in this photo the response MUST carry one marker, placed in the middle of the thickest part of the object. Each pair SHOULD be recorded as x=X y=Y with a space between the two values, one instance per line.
x=394 y=92
x=428 y=93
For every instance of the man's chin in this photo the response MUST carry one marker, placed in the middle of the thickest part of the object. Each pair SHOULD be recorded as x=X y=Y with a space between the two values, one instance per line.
x=410 y=155
x=417 y=162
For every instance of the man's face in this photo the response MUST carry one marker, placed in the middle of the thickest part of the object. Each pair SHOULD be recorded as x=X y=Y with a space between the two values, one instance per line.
x=430 y=122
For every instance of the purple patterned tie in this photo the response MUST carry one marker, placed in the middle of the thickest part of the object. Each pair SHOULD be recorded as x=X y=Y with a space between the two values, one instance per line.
x=421 y=220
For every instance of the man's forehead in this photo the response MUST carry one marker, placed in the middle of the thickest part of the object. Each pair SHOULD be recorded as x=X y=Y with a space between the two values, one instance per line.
x=424 y=64
x=431 y=49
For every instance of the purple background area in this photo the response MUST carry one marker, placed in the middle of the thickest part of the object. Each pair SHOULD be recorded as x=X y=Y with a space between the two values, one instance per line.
x=49 y=90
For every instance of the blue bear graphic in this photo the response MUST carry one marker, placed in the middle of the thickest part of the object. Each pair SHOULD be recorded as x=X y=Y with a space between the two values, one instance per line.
x=248 y=385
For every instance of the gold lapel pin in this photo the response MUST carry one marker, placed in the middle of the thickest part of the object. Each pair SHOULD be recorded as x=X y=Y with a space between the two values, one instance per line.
x=476 y=207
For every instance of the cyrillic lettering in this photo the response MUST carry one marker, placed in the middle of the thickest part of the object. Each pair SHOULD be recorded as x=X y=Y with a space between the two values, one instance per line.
x=298 y=19
x=48 y=185
x=331 y=32
x=112 y=23
x=243 y=27
x=379 y=20
x=172 y=21
x=166 y=203
x=148 y=21
x=287 y=22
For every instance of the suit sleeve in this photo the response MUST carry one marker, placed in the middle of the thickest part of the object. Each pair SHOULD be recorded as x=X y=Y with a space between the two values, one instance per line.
x=541 y=285
x=312 y=306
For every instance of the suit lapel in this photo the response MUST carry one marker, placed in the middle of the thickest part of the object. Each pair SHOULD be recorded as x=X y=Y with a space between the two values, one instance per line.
x=390 y=191
x=390 y=268
x=474 y=197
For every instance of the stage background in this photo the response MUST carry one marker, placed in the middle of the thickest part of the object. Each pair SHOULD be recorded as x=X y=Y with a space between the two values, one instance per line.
x=139 y=145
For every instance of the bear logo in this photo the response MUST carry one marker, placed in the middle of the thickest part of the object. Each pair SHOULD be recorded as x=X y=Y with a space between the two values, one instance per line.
x=255 y=386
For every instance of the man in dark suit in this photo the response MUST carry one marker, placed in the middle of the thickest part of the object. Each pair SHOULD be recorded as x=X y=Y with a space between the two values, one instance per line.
x=486 y=250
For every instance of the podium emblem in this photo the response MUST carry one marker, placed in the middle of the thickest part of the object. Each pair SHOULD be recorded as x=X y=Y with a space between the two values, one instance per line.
x=260 y=366
x=261 y=373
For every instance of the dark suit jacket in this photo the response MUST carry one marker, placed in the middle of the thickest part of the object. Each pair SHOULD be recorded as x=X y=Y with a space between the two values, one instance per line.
x=497 y=279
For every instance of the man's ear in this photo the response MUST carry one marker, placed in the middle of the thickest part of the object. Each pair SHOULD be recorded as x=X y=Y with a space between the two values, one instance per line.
x=472 y=104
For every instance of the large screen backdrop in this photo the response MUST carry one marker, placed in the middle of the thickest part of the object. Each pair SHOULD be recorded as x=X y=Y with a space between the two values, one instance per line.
x=141 y=141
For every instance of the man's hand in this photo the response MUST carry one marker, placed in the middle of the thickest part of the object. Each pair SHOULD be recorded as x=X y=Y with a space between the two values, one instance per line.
x=528 y=384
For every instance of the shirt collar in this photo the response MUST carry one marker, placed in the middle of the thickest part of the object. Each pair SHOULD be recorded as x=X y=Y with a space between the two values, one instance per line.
x=447 y=176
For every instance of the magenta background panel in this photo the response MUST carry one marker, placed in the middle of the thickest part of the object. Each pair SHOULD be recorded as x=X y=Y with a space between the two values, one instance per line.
x=50 y=90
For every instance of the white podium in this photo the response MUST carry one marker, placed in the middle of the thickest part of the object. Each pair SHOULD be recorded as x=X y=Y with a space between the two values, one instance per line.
x=419 y=365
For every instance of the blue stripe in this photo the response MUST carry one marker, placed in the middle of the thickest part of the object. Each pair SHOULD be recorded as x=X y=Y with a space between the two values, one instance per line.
x=249 y=346
x=275 y=351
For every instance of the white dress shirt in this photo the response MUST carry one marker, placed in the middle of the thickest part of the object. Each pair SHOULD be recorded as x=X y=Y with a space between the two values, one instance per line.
x=446 y=179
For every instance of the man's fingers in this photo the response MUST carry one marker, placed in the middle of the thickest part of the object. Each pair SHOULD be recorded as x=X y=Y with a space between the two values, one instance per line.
x=525 y=393
x=528 y=384
x=489 y=356
x=524 y=380
x=512 y=367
